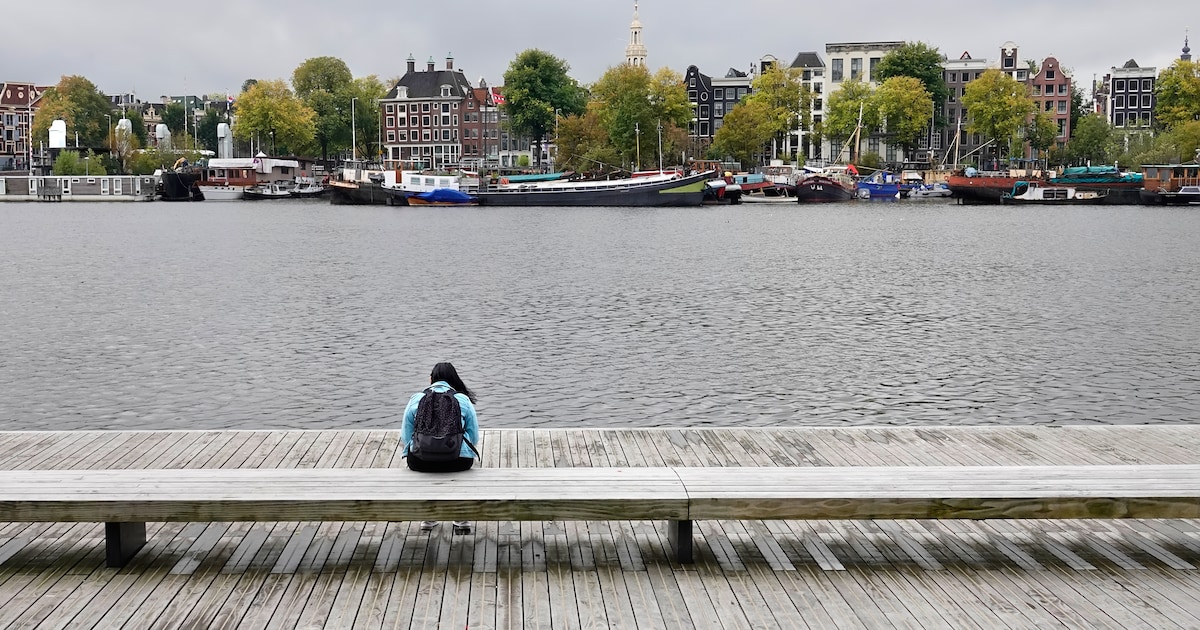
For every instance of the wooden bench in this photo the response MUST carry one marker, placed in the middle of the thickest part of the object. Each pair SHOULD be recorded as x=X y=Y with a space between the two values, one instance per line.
x=127 y=499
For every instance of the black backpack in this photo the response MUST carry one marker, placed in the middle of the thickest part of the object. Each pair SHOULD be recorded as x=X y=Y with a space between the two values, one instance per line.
x=438 y=433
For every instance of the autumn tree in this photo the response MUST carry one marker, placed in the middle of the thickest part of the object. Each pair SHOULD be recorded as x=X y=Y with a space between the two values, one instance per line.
x=76 y=101
x=369 y=91
x=747 y=128
x=789 y=104
x=906 y=108
x=1041 y=131
x=535 y=85
x=919 y=61
x=269 y=111
x=631 y=103
x=325 y=85
x=998 y=106
x=1178 y=94
x=583 y=144
x=853 y=100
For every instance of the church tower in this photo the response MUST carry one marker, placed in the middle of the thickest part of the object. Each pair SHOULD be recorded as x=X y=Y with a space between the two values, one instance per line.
x=1187 y=50
x=635 y=52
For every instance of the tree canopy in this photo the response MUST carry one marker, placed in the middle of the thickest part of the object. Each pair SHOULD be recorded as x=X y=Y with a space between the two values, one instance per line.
x=1041 y=132
x=78 y=102
x=1178 y=92
x=269 y=111
x=922 y=62
x=998 y=106
x=327 y=74
x=631 y=103
x=747 y=128
x=174 y=116
x=1091 y=141
x=845 y=106
x=905 y=109
x=535 y=85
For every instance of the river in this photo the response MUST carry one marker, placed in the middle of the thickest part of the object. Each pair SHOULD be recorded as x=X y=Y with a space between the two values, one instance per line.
x=309 y=316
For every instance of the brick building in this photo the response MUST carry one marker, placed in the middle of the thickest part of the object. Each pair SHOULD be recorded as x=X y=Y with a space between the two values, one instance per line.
x=423 y=116
x=18 y=103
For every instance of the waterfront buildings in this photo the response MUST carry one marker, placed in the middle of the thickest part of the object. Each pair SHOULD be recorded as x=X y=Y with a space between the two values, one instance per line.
x=1126 y=97
x=857 y=61
x=422 y=121
x=18 y=103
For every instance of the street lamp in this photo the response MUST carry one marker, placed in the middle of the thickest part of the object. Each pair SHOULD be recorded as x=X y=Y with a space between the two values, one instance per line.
x=272 y=142
x=109 y=133
x=353 y=132
x=637 y=133
x=660 y=164
x=87 y=165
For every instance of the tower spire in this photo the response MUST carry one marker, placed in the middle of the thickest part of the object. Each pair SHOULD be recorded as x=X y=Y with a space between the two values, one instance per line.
x=635 y=52
x=1187 y=51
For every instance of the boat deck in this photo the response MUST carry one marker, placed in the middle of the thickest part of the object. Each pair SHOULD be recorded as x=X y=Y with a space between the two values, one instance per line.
x=801 y=574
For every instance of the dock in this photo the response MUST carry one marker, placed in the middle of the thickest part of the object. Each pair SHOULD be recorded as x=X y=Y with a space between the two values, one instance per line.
x=748 y=574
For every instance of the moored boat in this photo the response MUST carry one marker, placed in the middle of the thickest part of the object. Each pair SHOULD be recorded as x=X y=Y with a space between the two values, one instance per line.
x=267 y=190
x=658 y=190
x=880 y=185
x=442 y=197
x=1034 y=193
x=179 y=185
x=930 y=191
x=1171 y=184
x=833 y=184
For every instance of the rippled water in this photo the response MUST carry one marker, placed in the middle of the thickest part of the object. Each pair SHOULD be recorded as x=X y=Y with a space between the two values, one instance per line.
x=305 y=315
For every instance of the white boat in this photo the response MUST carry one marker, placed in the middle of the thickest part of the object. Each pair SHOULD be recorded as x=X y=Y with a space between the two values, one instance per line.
x=931 y=191
x=1033 y=193
x=269 y=190
x=226 y=179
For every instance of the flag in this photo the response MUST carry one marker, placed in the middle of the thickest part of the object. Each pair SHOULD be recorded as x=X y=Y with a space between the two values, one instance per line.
x=229 y=99
x=497 y=98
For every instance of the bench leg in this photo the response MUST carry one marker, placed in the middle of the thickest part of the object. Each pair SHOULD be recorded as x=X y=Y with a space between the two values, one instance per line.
x=679 y=535
x=122 y=541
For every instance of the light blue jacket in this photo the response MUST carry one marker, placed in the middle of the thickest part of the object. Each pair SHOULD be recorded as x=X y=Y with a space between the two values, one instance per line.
x=470 y=422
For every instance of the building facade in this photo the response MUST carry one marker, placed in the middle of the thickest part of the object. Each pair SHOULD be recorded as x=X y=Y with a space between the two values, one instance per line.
x=803 y=142
x=711 y=99
x=1051 y=88
x=1128 y=96
x=18 y=104
x=423 y=116
x=857 y=61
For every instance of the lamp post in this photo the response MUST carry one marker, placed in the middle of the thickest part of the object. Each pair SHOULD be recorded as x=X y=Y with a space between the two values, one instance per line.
x=109 y=132
x=353 y=132
x=554 y=158
x=87 y=165
x=272 y=142
x=660 y=163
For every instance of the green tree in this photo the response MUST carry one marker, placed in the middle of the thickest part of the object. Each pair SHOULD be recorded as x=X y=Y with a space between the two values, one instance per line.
x=1091 y=141
x=270 y=112
x=853 y=100
x=1079 y=108
x=78 y=102
x=747 y=128
x=630 y=103
x=535 y=85
x=369 y=91
x=326 y=84
x=247 y=84
x=174 y=116
x=998 y=106
x=138 y=124
x=324 y=74
x=906 y=109
x=1178 y=94
x=71 y=163
x=789 y=104
x=206 y=131
x=583 y=144
x=1041 y=132
x=922 y=62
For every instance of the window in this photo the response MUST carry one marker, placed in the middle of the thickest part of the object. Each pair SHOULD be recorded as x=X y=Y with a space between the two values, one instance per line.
x=425 y=136
x=445 y=108
x=1037 y=90
x=391 y=109
x=1049 y=75
x=445 y=134
x=402 y=136
x=718 y=109
x=456 y=120
x=1119 y=85
x=1119 y=119
x=1147 y=85
x=412 y=121
x=874 y=62
x=1062 y=107
x=391 y=121
x=741 y=93
x=856 y=69
x=445 y=91
x=953 y=77
x=818 y=105
x=1010 y=62
x=403 y=109
x=1049 y=106
x=1022 y=75
x=693 y=96
x=445 y=121
x=691 y=81
x=391 y=136
x=1062 y=89
x=704 y=111
x=1119 y=101
x=1062 y=127
x=837 y=70
x=425 y=121
x=1145 y=100
x=1145 y=119
x=720 y=94
x=424 y=107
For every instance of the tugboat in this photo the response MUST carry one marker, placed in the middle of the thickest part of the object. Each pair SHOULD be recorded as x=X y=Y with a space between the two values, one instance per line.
x=180 y=183
x=830 y=185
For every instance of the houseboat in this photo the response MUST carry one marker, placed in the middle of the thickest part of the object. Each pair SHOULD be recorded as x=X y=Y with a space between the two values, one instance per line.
x=1034 y=193
x=78 y=188
x=226 y=179
x=1171 y=184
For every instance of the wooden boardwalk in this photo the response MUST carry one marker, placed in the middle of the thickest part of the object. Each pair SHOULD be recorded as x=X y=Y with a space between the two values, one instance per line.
x=785 y=574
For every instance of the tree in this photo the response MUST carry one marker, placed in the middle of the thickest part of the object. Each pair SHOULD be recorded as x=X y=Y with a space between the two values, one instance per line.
x=70 y=163
x=369 y=90
x=1079 y=109
x=998 y=106
x=630 y=103
x=748 y=127
x=781 y=91
x=1178 y=93
x=906 y=109
x=1092 y=141
x=247 y=84
x=78 y=102
x=535 y=85
x=174 y=116
x=850 y=102
x=1041 y=132
x=206 y=131
x=269 y=112
x=326 y=84
x=321 y=74
x=583 y=144
x=922 y=62
x=138 y=124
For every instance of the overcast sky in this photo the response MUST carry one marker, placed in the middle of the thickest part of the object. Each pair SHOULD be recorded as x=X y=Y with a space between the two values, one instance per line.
x=155 y=47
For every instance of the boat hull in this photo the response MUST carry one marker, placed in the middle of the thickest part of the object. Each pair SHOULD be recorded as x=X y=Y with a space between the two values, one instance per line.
x=686 y=191
x=823 y=190
x=1155 y=198
x=360 y=194
x=991 y=190
x=222 y=193
x=176 y=186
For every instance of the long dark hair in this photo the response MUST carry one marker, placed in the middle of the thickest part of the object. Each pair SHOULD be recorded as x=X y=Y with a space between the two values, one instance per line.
x=445 y=372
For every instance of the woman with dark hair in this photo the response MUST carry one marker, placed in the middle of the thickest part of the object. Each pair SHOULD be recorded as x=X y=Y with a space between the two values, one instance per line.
x=444 y=378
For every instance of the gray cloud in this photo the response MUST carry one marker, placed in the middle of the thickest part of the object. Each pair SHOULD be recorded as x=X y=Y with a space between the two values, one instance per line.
x=155 y=48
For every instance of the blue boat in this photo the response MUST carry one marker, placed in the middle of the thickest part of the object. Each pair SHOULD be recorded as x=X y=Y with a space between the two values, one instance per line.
x=881 y=185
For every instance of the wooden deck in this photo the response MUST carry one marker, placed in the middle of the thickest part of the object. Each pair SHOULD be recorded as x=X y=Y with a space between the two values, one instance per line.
x=794 y=574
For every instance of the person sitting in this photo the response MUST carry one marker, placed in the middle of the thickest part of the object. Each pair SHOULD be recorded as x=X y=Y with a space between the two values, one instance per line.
x=423 y=452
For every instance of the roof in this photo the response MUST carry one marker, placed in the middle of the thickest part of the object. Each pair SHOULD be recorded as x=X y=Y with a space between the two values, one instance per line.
x=427 y=84
x=808 y=60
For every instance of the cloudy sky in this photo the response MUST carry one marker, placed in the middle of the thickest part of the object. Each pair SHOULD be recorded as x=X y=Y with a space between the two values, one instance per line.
x=153 y=48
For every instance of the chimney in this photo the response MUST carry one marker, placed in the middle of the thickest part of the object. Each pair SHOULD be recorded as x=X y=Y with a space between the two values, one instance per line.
x=449 y=62
x=429 y=65
x=412 y=63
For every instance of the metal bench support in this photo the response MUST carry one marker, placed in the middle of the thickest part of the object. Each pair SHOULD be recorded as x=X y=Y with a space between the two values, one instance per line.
x=122 y=541
x=679 y=535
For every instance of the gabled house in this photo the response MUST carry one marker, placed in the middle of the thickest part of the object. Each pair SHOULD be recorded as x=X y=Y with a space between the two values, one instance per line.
x=18 y=104
x=423 y=116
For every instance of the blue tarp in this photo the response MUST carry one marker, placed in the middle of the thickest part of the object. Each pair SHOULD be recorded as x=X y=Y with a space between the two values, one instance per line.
x=444 y=195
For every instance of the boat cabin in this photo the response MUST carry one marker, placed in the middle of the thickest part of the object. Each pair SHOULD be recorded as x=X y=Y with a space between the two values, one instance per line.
x=250 y=171
x=1170 y=177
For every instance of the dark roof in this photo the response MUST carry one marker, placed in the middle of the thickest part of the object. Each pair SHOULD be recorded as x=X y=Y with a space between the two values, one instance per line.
x=1131 y=64
x=734 y=73
x=426 y=84
x=808 y=60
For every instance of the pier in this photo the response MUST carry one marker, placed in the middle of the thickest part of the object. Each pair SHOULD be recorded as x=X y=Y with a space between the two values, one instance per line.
x=928 y=574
